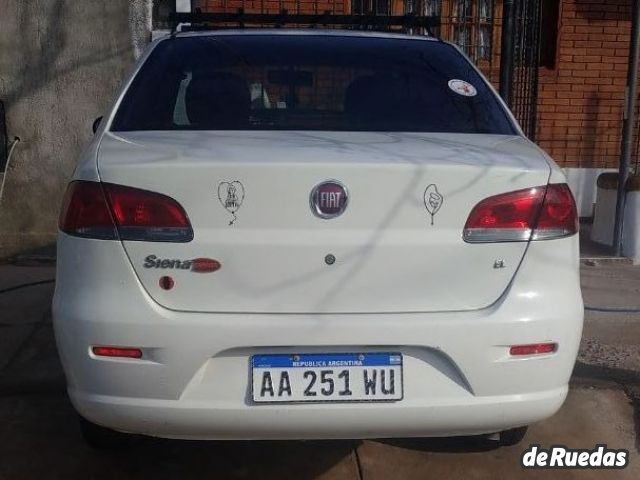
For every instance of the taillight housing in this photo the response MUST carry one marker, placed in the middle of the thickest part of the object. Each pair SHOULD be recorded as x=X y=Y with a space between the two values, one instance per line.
x=107 y=211
x=538 y=213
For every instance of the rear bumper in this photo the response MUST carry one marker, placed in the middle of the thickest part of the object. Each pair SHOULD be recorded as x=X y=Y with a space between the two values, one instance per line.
x=195 y=419
x=194 y=381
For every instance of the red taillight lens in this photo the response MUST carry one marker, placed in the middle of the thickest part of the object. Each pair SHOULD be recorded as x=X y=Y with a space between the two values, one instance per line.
x=106 y=211
x=509 y=217
x=85 y=212
x=538 y=213
x=147 y=216
x=559 y=216
x=533 y=349
x=117 y=352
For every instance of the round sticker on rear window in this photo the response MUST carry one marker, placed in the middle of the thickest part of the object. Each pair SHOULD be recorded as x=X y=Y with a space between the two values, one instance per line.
x=463 y=88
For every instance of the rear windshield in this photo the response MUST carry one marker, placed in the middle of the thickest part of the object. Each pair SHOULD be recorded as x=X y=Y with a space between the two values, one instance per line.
x=309 y=82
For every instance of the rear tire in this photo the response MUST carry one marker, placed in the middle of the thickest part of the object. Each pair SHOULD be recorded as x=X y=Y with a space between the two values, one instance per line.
x=513 y=436
x=103 y=438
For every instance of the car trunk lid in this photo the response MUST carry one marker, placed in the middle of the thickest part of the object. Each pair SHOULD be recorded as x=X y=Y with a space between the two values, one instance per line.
x=397 y=247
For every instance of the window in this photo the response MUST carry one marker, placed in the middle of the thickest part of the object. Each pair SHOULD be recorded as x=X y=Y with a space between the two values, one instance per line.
x=472 y=27
x=467 y=23
x=308 y=82
x=432 y=8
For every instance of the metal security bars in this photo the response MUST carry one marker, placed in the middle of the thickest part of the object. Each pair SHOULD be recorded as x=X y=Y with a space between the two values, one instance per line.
x=243 y=19
x=386 y=15
x=468 y=23
x=526 y=59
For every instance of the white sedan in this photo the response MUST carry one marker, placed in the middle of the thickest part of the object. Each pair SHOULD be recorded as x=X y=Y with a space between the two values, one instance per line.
x=303 y=235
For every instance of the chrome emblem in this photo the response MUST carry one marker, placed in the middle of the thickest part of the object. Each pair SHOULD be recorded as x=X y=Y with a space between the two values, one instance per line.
x=329 y=199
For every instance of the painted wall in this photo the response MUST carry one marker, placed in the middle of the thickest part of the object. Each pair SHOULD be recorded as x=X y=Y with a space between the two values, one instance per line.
x=61 y=61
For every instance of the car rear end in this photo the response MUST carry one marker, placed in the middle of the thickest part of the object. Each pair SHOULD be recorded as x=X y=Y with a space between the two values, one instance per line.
x=294 y=235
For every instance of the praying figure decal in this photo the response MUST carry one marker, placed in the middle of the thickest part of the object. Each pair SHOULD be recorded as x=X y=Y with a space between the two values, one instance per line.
x=433 y=200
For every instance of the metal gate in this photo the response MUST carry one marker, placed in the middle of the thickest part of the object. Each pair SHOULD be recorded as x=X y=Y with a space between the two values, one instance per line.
x=526 y=58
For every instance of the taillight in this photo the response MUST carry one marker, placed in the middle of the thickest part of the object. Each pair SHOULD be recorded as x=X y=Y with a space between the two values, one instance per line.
x=107 y=211
x=147 y=216
x=538 y=213
x=85 y=212
x=559 y=216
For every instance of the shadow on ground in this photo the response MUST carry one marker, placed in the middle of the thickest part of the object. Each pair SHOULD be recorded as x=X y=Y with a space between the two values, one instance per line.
x=444 y=445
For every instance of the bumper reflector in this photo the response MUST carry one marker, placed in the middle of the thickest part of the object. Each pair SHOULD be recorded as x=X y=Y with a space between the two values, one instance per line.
x=533 y=349
x=117 y=352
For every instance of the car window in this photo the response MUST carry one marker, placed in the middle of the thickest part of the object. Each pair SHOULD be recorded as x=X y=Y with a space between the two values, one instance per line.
x=309 y=82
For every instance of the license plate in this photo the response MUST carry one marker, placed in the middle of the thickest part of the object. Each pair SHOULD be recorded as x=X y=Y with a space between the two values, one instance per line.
x=358 y=377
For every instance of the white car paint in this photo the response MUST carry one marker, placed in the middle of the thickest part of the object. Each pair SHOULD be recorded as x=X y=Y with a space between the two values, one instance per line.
x=389 y=257
x=398 y=285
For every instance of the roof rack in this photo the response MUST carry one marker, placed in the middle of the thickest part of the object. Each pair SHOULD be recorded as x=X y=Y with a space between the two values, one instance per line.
x=240 y=19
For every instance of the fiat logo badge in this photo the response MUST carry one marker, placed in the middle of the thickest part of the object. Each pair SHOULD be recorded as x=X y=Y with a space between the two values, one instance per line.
x=329 y=199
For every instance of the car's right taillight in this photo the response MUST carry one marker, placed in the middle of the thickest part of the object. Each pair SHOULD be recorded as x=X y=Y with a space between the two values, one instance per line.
x=107 y=211
x=538 y=213
x=559 y=215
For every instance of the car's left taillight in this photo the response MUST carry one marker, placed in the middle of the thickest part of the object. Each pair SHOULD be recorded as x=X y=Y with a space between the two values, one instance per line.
x=107 y=211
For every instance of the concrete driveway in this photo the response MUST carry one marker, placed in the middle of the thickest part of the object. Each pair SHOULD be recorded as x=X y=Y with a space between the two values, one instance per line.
x=40 y=438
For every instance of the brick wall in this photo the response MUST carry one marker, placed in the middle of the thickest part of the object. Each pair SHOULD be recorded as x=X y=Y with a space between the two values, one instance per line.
x=581 y=100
